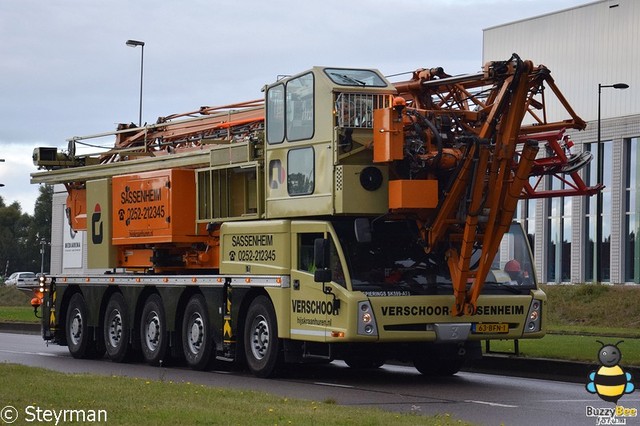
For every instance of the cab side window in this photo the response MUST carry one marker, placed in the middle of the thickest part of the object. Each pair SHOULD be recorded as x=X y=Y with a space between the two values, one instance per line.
x=305 y=251
x=290 y=110
x=300 y=171
x=275 y=114
x=306 y=257
x=300 y=108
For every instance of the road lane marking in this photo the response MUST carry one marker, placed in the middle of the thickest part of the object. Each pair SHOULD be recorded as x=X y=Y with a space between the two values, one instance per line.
x=335 y=385
x=29 y=353
x=492 y=404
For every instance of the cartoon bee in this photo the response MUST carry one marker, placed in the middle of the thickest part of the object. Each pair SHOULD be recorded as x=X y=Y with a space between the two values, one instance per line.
x=610 y=382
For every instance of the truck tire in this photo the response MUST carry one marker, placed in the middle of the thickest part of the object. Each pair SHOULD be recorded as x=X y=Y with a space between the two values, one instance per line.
x=78 y=335
x=261 y=342
x=197 y=338
x=117 y=329
x=153 y=331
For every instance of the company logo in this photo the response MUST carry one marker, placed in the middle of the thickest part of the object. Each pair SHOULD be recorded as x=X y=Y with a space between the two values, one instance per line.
x=610 y=382
x=96 y=225
x=276 y=174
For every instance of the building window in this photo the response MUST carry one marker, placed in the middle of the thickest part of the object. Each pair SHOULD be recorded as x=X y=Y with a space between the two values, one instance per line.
x=597 y=250
x=300 y=171
x=605 y=242
x=530 y=217
x=559 y=235
x=632 y=211
x=590 y=179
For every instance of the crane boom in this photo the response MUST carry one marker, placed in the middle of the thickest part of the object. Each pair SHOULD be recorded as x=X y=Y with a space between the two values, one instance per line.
x=460 y=151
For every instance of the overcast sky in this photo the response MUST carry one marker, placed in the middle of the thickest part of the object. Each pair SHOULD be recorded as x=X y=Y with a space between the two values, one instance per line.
x=65 y=69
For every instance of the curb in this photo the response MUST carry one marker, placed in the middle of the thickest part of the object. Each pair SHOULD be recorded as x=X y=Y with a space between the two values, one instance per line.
x=20 y=327
x=540 y=368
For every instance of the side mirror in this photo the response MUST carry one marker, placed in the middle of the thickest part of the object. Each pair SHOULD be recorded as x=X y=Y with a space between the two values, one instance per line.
x=362 y=228
x=322 y=275
x=321 y=259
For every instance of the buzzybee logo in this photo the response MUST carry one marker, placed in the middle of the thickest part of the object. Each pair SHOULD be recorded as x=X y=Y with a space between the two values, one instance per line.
x=610 y=382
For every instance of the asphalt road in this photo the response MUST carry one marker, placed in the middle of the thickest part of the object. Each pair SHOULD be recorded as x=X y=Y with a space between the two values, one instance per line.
x=475 y=397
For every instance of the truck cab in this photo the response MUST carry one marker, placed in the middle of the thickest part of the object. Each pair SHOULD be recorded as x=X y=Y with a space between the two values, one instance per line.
x=354 y=282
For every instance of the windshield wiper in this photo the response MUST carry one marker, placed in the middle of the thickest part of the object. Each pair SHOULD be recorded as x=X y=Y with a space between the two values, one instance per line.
x=348 y=79
x=510 y=288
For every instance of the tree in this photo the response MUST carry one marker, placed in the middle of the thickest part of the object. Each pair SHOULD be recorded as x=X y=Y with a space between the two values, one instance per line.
x=14 y=245
x=21 y=235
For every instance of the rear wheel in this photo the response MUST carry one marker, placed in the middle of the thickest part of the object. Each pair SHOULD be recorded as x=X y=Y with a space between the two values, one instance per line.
x=261 y=342
x=153 y=331
x=79 y=339
x=197 y=339
x=117 y=329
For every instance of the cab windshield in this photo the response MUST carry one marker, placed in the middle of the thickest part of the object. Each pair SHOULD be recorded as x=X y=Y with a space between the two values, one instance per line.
x=394 y=263
x=354 y=77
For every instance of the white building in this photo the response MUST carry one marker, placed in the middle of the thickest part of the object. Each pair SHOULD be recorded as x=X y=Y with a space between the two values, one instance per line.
x=584 y=47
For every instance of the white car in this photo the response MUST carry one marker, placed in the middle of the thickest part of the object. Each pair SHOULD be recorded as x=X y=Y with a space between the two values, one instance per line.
x=22 y=279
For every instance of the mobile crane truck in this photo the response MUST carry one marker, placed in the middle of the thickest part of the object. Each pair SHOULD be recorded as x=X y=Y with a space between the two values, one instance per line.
x=342 y=217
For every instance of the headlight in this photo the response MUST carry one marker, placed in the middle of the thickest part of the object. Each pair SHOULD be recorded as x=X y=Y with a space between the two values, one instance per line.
x=534 y=317
x=366 y=320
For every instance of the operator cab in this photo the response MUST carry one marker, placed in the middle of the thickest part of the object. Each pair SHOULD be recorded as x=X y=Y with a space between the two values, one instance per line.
x=319 y=157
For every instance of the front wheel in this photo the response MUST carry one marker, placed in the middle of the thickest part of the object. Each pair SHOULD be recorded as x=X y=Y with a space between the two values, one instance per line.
x=261 y=342
x=153 y=331
x=197 y=339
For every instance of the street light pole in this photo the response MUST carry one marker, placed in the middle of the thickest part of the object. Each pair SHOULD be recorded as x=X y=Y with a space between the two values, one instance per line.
x=599 y=177
x=43 y=244
x=136 y=43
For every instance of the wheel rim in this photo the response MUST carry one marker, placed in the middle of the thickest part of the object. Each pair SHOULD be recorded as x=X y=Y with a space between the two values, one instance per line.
x=196 y=335
x=76 y=327
x=115 y=328
x=152 y=334
x=260 y=337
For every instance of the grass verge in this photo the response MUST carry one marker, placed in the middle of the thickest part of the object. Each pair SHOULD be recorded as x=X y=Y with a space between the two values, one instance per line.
x=11 y=296
x=18 y=314
x=15 y=306
x=129 y=401
x=572 y=348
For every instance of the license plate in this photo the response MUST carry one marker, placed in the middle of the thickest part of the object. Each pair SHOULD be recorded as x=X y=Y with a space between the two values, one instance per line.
x=491 y=328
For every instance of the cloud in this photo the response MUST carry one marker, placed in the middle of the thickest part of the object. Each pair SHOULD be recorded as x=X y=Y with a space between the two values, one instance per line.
x=15 y=178
x=67 y=72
